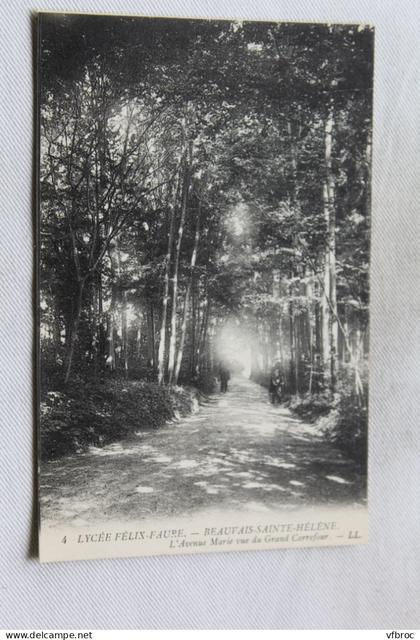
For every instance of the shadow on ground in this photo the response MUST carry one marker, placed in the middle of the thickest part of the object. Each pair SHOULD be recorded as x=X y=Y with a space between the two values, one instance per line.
x=238 y=453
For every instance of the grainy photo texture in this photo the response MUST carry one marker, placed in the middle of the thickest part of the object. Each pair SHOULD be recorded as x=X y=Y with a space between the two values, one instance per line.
x=204 y=216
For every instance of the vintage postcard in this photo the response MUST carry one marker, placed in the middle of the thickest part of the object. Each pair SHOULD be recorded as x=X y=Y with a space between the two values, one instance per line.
x=204 y=192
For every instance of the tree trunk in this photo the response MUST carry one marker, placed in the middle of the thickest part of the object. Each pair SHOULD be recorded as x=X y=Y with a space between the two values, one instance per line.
x=57 y=331
x=193 y=324
x=101 y=327
x=201 y=335
x=114 y=258
x=95 y=326
x=297 y=352
x=163 y=328
x=124 y=334
x=187 y=296
x=310 y=328
x=276 y=321
x=152 y=345
x=173 y=337
x=330 y=327
x=293 y=363
x=138 y=343
x=74 y=331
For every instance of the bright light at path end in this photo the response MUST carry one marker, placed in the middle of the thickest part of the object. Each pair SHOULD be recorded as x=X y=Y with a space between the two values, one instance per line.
x=233 y=346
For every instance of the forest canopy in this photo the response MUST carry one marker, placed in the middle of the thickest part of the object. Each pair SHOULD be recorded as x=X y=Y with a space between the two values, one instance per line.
x=204 y=195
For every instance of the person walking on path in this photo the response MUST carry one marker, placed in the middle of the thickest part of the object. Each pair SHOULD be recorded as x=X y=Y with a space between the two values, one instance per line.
x=224 y=375
x=276 y=384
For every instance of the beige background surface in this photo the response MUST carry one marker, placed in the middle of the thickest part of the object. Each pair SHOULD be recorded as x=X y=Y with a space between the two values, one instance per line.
x=376 y=586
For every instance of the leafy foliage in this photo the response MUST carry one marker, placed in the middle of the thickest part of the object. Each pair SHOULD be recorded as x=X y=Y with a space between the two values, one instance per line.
x=99 y=414
x=192 y=172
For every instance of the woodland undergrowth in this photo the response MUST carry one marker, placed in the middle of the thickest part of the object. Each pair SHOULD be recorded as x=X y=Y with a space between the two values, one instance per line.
x=100 y=413
x=341 y=418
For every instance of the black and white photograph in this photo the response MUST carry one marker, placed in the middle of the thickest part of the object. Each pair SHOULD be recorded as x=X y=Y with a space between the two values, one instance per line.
x=204 y=201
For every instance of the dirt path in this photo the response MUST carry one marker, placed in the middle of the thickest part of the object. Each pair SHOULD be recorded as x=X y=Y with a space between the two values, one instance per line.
x=238 y=452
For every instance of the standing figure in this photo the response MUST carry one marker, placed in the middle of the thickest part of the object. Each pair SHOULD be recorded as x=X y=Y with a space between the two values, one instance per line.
x=224 y=375
x=276 y=384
